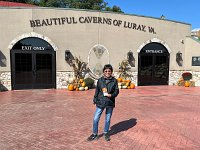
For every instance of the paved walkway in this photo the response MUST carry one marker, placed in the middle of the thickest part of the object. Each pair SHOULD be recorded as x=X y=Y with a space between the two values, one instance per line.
x=146 y=118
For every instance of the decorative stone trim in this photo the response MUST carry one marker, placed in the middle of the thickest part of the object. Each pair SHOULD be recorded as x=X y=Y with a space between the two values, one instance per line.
x=154 y=40
x=97 y=47
x=175 y=75
x=62 y=79
x=32 y=34
x=196 y=77
x=5 y=78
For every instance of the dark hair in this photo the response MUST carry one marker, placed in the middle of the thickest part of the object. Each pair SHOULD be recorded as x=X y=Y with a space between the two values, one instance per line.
x=108 y=66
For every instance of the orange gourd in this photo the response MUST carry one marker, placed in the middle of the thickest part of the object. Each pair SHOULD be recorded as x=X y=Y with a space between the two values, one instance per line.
x=187 y=83
x=119 y=79
x=71 y=87
x=132 y=86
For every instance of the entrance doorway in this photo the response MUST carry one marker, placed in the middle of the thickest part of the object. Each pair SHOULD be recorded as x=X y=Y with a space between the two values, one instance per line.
x=33 y=65
x=153 y=66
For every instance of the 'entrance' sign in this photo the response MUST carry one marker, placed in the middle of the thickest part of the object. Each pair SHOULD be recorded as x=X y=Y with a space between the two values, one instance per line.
x=154 y=51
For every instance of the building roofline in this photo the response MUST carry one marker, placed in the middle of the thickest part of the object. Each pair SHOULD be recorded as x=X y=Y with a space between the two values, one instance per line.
x=95 y=11
x=193 y=38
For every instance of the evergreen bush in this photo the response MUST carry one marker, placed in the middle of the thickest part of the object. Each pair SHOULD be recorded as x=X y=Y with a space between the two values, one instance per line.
x=89 y=82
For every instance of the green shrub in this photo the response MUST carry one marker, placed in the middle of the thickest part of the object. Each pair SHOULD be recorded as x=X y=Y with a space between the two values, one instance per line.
x=89 y=82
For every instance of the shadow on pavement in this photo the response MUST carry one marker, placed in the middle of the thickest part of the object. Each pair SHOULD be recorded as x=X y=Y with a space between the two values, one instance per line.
x=123 y=126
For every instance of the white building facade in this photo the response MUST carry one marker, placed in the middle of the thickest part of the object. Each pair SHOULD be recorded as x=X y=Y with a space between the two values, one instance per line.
x=35 y=44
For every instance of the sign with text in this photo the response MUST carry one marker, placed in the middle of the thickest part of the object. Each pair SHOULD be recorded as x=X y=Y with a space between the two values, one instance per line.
x=91 y=20
x=33 y=48
x=195 y=60
x=154 y=51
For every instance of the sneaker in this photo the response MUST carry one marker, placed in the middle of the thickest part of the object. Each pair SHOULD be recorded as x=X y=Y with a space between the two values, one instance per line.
x=107 y=137
x=92 y=137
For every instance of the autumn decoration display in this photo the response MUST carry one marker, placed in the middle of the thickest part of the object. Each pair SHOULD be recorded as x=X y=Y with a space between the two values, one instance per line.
x=124 y=79
x=81 y=84
x=125 y=84
x=124 y=69
x=186 y=80
x=78 y=83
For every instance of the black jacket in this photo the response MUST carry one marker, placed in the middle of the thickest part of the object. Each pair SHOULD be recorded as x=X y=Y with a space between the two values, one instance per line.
x=112 y=87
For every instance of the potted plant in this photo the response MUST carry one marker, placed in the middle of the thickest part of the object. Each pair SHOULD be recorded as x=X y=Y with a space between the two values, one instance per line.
x=187 y=76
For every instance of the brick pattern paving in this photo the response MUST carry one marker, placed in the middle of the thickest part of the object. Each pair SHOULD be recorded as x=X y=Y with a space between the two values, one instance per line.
x=146 y=118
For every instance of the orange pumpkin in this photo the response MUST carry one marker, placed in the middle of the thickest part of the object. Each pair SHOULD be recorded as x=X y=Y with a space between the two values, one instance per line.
x=132 y=86
x=71 y=87
x=187 y=83
x=129 y=87
x=75 y=87
x=119 y=79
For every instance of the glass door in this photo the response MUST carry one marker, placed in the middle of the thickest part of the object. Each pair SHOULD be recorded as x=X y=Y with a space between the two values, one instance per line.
x=145 y=70
x=153 y=61
x=33 y=69
x=161 y=65
x=153 y=69
x=44 y=70
x=23 y=70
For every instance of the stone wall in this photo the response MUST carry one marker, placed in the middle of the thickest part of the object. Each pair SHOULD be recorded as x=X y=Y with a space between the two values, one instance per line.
x=5 y=78
x=196 y=78
x=62 y=78
x=175 y=75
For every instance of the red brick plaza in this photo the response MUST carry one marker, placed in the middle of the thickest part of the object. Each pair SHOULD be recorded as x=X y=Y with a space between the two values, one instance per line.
x=146 y=118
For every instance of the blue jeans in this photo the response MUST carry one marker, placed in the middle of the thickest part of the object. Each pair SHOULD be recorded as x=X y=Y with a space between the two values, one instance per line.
x=97 y=116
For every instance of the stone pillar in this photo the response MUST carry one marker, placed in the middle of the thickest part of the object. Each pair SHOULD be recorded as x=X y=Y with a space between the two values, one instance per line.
x=175 y=75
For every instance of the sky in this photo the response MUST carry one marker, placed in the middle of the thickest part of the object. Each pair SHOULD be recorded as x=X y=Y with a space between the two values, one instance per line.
x=186 y=11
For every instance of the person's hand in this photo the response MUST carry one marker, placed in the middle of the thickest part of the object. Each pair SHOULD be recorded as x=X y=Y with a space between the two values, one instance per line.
x=108 y=95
